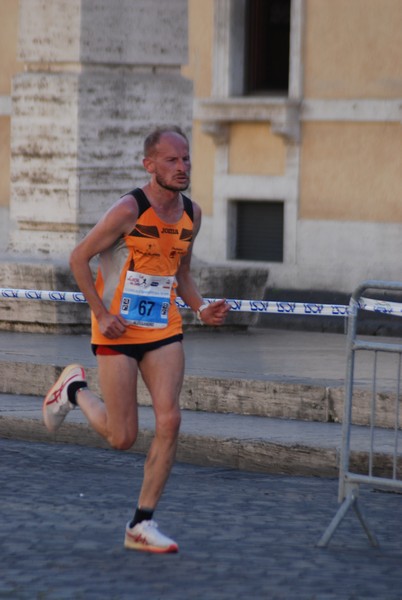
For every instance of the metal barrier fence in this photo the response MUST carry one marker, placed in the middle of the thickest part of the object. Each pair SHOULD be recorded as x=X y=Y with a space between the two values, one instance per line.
x=350 y=476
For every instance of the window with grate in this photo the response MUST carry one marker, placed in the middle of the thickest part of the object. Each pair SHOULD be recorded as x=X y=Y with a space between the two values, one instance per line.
x=267 y=46
x=259 y=230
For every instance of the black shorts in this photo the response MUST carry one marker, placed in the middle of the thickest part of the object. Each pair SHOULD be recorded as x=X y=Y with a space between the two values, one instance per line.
x=136 y=351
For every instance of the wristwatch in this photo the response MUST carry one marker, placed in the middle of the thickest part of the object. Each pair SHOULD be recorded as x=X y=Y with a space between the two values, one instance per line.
x=199 y=311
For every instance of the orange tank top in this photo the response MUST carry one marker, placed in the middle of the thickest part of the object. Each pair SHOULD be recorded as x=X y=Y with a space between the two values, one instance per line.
x=149 y=256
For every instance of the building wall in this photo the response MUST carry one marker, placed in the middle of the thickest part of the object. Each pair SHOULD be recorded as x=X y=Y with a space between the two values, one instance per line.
x=255 y=150
x=256 y=155
x=85 y=90
x=199 y=71
x=95 y=82
x=9 y=65
x=352 y=170
x=351 y=162
x=353 y=49
x=334 y=156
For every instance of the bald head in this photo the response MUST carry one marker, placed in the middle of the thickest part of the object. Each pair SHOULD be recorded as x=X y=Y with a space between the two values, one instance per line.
x=153 y=139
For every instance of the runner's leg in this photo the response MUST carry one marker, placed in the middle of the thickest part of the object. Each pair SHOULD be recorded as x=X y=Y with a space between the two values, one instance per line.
x=162 y=371
x=116 y=418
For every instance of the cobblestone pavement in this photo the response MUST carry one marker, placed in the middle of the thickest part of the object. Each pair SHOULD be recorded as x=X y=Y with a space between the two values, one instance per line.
x=241 y=535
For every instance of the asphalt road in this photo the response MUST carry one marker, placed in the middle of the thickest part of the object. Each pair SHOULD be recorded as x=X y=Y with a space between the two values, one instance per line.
x=241 y=535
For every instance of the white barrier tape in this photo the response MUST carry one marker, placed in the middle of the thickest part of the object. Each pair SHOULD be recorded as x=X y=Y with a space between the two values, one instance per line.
x=253 y=306
x=281 y=308
x=381 y=306
x=10 y=293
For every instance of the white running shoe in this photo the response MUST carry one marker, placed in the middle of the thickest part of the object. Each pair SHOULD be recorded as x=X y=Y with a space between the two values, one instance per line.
x=145 y=536
x=56 y=404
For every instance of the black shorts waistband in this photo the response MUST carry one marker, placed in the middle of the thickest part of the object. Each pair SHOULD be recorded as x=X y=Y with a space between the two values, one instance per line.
x=137 y=351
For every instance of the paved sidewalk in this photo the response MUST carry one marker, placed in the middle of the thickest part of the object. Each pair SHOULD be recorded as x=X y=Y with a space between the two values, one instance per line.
x=259 y=354
x=241 y=535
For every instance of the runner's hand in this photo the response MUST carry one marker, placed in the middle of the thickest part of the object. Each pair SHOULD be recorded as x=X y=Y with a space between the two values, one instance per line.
x=112 y=326
x=215 y=313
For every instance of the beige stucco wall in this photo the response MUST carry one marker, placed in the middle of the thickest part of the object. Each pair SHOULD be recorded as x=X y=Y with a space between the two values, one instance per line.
x=8 y=44
x=4 y=161
x=353 y=49
x=200 y=40
x=351 y=171
x=255 y=150
x=8 y=67
x=203 y=168
x=199 y=71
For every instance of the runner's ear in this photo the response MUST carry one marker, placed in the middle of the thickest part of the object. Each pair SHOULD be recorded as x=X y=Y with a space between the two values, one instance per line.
x=148 y=164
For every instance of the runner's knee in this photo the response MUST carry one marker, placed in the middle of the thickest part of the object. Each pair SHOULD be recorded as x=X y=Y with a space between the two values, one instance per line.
x=122 y=440
x=168 y=424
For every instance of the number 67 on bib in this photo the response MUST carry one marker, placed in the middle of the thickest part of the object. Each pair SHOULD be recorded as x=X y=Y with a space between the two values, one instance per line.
x=146 y=299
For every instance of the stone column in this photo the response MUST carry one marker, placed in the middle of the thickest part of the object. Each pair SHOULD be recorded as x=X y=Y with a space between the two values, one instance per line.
x=98 y=75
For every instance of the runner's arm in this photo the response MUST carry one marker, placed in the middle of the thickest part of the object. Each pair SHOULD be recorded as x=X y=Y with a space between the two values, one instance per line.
x=119 y=219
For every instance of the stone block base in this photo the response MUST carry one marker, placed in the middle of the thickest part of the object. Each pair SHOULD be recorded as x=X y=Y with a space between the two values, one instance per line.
x=231 y=282
x=37 y=315
x=214 y=281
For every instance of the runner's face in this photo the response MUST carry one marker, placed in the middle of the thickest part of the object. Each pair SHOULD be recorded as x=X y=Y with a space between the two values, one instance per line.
x=171 y=163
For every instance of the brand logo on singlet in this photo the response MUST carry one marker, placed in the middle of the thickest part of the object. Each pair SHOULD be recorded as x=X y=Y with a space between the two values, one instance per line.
x=149 y=250
x=170 y=230
x=180 y=251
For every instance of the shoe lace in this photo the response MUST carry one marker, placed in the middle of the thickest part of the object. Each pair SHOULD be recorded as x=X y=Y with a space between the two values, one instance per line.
x=150 y=524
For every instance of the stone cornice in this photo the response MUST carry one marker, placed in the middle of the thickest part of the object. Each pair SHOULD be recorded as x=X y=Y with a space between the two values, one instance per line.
x=216 y=114
x=285 y=114
x=358 y=109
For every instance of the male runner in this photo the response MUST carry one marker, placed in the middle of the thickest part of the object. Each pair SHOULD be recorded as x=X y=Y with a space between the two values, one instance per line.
x=144 y=242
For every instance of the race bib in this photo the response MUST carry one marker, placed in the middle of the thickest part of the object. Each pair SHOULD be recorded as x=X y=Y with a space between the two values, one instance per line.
x=146 y=299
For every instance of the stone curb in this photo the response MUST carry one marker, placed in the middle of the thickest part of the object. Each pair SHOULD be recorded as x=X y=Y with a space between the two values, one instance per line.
x=274 y=399
x=266 y=455
x=246 y=455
